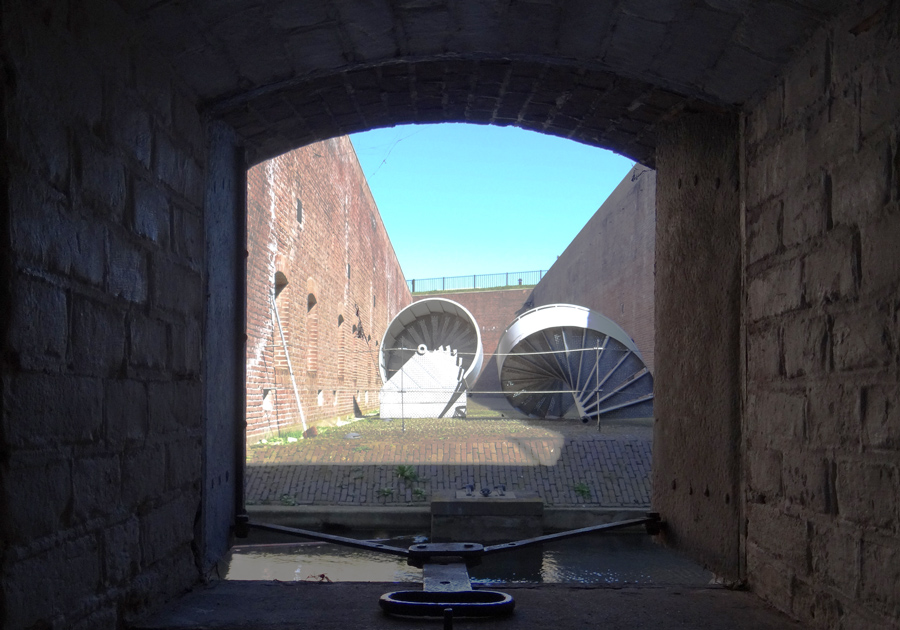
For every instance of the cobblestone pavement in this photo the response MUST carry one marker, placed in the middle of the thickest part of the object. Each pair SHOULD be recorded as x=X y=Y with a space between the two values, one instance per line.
x=377 y=462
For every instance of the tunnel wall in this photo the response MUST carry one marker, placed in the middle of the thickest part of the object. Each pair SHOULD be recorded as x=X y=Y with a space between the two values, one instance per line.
x=696 y=439
x=822 y=424
x=103 y=282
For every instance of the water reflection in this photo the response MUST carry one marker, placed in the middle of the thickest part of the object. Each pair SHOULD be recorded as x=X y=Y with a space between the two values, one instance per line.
x=602 y=559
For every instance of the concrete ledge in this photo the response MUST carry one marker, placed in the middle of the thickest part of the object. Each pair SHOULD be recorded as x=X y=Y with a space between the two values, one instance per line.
x=353 y=517
x=561 y=519
x=524 y=504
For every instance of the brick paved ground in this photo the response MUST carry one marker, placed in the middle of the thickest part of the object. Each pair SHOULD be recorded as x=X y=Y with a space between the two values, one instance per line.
x=566 y=462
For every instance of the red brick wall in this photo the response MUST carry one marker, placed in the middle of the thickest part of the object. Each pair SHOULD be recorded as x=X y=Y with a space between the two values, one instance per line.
x=609 y=266
x=335 y=364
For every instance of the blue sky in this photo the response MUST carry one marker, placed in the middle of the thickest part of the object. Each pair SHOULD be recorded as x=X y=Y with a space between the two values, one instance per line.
x=463 y=199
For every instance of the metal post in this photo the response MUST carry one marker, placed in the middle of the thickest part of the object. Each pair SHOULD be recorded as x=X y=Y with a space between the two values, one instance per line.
x=402 y=400
x=290 y=368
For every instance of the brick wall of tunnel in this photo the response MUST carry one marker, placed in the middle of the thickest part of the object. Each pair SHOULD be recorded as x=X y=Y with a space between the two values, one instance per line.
x=104 y=265
x=103 y=186
x=821 y=424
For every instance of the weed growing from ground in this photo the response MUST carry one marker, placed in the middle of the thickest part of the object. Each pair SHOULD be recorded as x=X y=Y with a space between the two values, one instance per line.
x=407 y=473
x=583 y=490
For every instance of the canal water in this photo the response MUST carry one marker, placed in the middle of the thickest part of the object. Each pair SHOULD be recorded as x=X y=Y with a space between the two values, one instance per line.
x=596 y=559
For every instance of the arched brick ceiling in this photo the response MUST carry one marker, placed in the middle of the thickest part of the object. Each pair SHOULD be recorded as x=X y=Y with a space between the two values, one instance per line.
x=604 y=72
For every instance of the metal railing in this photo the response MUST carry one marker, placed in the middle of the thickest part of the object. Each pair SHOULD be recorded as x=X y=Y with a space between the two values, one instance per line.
x=477 y=281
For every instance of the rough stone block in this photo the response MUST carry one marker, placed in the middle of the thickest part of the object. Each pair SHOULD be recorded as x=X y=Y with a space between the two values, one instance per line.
x=127 y=277
x=775 y=418
x=143 y=475
x=881 y=416
x=186 y=348
x=127 y=418
x=868 y=493
x=98 y=338
x=832 y=416
x=188 y=123
x=130 y=129
x=880 y=91
x=167 y=528
x=65 y=576
x=175 y=287
x=832 y=270
x=881 y=254
x=149 y=339
x=175 y=167
x=121 y=551
x=765 y=474
x=783 y=536
x=775 y=169
x=763 y=231
x=810 y=601
x=769 y=578
x=805 y=210
x=834 y=551
x=102 y=179
x=38 y=326
x=46 y=409
x=861 y=185
x=95 y=484
x=46 y=234
x=174 y=406
x=764 y=354
x=151 y=213
x=832 y=129
x=183 y=464
x=860 y=339
x=107 y=618
x=189 y=237
x=775 y=290
x=808 y=482
x=805 y=345
x=23 y=481
x=767 y=117
x=41 y=138
x=880 y=574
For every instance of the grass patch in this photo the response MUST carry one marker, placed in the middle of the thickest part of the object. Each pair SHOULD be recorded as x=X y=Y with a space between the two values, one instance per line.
x=583 y=490
x=407 y=473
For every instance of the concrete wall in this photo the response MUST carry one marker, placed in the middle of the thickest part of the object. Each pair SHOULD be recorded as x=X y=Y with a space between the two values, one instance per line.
x=608 y=266
x=822 y=426
x=103 y=175
x=333 y=345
